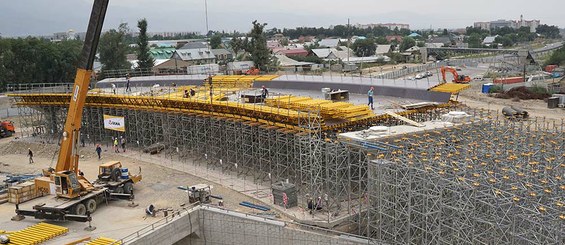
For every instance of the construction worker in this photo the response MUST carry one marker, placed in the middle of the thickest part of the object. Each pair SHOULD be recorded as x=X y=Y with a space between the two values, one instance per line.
x=98 y=150
x=127 y=83
x=123 y=143
x=370 y=94
x=114 y=88
x=185 y=95
x=116 y=149
x=30 y=155
x=264 y=92
x=192 y=92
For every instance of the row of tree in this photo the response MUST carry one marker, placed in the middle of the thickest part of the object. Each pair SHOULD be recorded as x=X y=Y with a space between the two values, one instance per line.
x=508 y=36
x=35 y=60
x=343 y=31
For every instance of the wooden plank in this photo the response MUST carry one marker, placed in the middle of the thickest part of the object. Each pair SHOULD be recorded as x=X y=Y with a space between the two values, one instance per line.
x=399 y=117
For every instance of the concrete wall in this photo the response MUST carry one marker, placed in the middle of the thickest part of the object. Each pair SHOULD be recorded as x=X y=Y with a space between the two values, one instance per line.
x=173 y=231
x=209 y=225
x=223 y=227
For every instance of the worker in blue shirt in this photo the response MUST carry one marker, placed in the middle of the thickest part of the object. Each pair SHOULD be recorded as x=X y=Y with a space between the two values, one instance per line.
x=370 y=94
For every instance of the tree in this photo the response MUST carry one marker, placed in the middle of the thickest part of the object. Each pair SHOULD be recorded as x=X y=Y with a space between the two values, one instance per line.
x=236 y=44
x=548 y=31
x=475 y=41
x=257 y=47
x=445 y=32
x=557 y=58
x=113 y=50
x=215 y=41
x=381 y=40
x=506 y=41
x=364 y=47
x=34 y=60
x=144 y=60
x=407 y=43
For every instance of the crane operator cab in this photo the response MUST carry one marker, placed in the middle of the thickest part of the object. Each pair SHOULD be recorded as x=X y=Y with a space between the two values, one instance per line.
x=67 y=184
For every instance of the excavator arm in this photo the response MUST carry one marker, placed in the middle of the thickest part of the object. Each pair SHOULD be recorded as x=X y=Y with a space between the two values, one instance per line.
x=68 y=155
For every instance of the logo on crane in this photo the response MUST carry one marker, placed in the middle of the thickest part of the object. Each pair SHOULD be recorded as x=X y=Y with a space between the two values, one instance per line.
x=77 y=88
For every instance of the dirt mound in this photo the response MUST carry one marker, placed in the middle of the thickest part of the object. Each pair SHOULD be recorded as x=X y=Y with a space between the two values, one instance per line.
x=524 y=93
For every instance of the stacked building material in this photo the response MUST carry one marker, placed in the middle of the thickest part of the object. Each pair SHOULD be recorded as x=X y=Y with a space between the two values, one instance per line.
x=22 y=192
x=280 y=189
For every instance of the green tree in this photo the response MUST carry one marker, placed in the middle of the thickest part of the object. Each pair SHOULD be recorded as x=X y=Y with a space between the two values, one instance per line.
x=475 y=41
x=364 y=47
x=381 y=40
x=407 y=43
x=144 y=60
x=236 y=44
x=445 y=32
x=548 y=31
x=34 y=60
x=257 y=47
x=557 y=57
x=506 y=41
x=113 y=49
x=215 y=41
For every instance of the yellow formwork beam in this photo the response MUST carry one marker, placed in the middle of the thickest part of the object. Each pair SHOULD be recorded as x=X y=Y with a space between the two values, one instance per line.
x=104 y=241
x=452 y=88
x=36 y=234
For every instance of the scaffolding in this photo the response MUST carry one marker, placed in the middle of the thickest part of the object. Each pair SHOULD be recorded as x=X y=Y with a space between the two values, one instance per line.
x=491 y=181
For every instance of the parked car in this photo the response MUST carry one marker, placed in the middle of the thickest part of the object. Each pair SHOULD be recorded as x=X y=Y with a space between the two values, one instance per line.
x=429 y=74
x=419 y=76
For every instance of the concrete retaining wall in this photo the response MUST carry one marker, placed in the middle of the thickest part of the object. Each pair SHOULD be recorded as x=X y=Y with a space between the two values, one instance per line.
x=209 y=225
x=173 y=231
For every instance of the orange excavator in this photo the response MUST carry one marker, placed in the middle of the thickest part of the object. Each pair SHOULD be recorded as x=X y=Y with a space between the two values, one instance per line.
x=456 y=77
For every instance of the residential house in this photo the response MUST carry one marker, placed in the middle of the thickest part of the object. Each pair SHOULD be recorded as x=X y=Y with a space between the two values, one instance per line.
x=289 y=64
x=194 y=45
x=197 y=56
x=445 y=40
x=396 y=38
x=273 y=44
x=333 y=53
x=293 y=52
x=222 y=55
x=162 y=53
x=169 y=66
x=329 y=42
x=303 y=39
x=489 y=40
x=412 y=54
x=383 y=49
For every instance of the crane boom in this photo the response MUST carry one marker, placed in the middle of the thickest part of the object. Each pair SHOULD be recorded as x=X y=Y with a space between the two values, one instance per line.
x=68 y=155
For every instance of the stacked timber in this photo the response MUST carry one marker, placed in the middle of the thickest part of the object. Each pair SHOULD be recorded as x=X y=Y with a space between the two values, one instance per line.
x=3 y=196
x=22 y=192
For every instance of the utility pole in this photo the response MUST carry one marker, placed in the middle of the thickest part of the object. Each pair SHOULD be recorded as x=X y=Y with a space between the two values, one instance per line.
x=348 y=40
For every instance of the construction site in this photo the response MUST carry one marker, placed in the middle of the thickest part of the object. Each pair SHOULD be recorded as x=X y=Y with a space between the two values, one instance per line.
x=279 y=159
x=419 y=173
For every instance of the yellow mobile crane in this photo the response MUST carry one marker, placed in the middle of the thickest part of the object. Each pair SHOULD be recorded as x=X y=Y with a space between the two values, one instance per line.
x=76 y=196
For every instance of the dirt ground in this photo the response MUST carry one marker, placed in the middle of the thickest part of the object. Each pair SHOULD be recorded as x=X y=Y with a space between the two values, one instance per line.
x=158 y=187
x=536 y=108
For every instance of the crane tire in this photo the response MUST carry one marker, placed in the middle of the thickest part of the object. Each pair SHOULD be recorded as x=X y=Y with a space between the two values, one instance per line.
x=80 y=209
x=91 y=205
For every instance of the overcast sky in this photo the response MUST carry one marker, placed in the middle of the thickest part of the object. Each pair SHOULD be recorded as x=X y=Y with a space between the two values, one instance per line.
x=44 y=17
